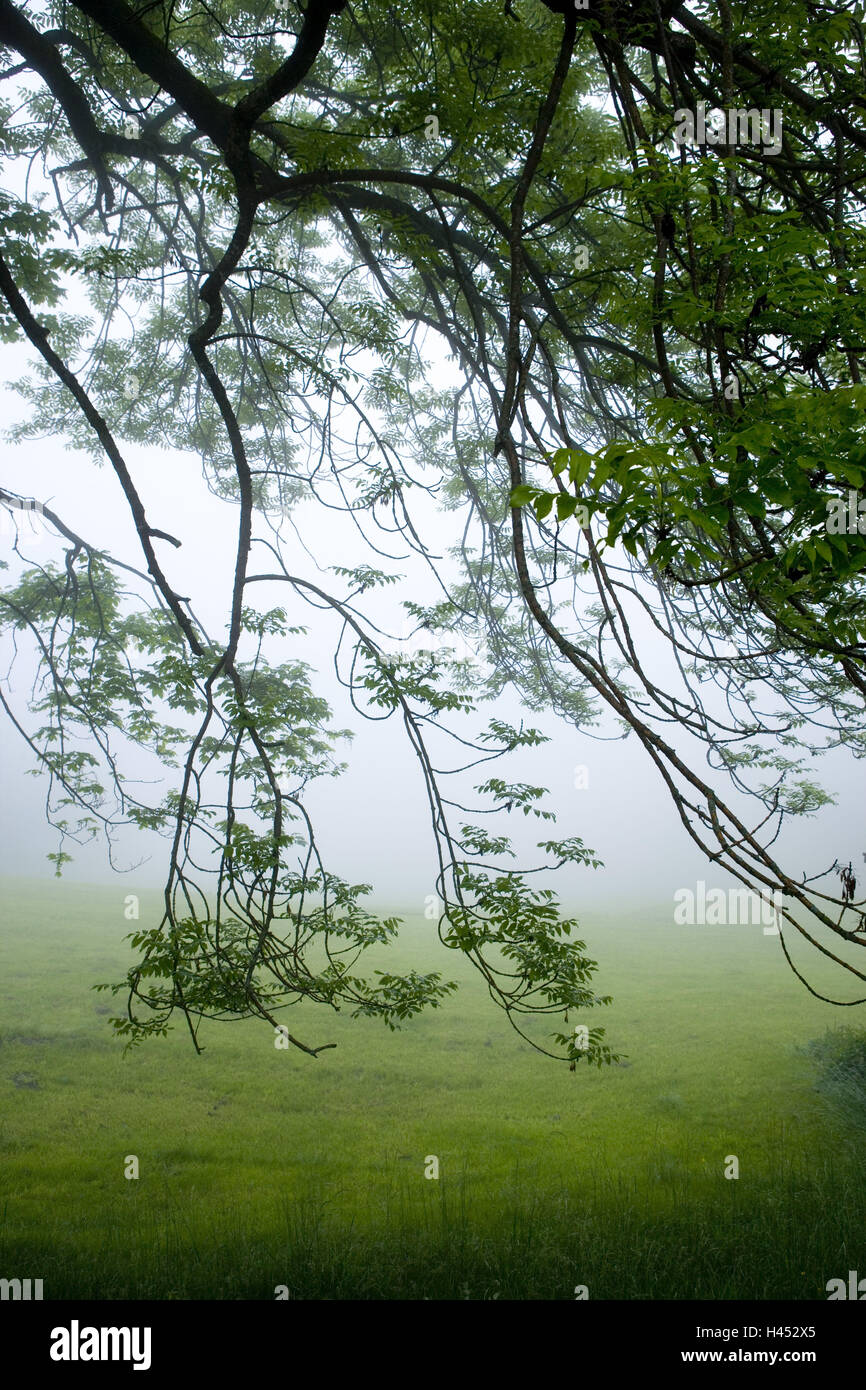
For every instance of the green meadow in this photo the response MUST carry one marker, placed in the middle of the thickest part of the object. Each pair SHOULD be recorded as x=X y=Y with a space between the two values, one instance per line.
x=260 y=1167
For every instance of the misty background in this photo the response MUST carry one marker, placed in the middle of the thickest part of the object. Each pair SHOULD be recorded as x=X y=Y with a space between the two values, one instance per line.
x=372 y=821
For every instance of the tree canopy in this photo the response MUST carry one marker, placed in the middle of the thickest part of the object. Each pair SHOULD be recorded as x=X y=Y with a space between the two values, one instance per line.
x=388 y=258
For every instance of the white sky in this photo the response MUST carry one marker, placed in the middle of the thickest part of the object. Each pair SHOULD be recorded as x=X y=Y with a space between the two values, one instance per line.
x=372 y=822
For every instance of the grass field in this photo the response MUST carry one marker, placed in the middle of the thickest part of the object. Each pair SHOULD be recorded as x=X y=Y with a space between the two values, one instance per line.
x=261 y=1167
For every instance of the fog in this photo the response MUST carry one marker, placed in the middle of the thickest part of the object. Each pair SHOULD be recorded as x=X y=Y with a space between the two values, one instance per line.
x=372 y=821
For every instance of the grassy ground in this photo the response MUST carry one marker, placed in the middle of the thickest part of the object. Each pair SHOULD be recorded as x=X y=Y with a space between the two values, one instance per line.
x=261 y=1167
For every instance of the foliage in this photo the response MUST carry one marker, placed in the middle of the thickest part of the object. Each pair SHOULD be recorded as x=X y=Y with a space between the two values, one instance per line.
x=283 y=223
